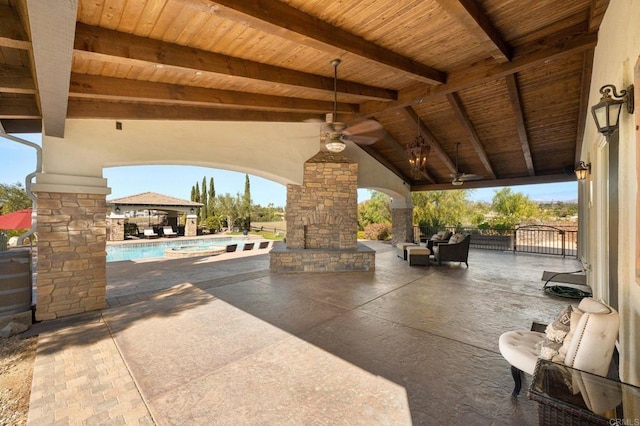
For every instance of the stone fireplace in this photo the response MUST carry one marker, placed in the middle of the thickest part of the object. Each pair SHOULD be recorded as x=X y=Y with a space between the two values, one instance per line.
x=322 y=220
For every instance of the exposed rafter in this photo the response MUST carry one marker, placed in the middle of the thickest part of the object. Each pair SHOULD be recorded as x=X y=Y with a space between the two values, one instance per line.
x=472 y=18
x=463 y=118
x=119 y=89
x=482 y=73
x=113 y=46
x=516 y=106
x=278 y=18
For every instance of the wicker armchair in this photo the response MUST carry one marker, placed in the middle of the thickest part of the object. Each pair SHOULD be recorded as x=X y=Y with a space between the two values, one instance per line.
x=456 y=250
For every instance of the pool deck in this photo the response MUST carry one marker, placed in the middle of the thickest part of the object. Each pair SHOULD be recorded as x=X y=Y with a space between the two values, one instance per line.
x=221 y=340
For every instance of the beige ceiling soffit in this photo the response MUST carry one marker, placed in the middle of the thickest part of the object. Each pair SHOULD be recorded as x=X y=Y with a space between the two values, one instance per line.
x=118 y=89
x=468 y=14
x=411 y=115
x=277 y=18
x=482 y=73
x=463 y=118
x=471 y=184
x=587 y=69
x=14 y=79
x=516 y=106
x=52 y=32
x=83 y=108
x=116 y=47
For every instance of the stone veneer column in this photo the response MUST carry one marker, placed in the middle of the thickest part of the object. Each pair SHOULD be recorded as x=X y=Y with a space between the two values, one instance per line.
x=71 y=229
x=322 y=213
x=402 y=224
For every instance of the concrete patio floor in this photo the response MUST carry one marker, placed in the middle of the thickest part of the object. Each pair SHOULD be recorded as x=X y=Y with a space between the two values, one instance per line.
x=223 y=341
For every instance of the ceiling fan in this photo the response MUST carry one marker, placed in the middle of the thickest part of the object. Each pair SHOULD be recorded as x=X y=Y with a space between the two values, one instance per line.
x=333 y=133
x=458 y=177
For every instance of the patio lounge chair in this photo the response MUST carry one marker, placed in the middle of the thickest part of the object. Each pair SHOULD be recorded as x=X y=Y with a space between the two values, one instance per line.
x=455 y=250
x=247 y=246
x=168 y=231
x=440 y=238
x=149 y=233
x=588 y=337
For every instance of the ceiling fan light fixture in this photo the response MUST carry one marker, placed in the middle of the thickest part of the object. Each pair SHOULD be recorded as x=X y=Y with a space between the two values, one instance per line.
x=457 y=182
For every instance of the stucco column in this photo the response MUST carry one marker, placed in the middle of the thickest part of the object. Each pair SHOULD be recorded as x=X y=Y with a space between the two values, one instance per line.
x=402 y=221
x=116 y=227
x=190 y=226
x=71 y=229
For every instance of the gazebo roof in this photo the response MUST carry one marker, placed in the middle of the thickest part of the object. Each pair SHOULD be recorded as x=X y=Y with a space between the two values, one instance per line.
x=153 y=199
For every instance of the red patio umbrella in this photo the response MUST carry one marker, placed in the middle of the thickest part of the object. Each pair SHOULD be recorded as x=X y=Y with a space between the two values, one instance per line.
x=20 y=219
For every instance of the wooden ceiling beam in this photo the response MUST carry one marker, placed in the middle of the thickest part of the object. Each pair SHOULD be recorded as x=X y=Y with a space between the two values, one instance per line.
x=278 y=18
x=483 y=73
x=468 y=14
x=471 y=184
x=516 y=106
x=14 y=79
x=463 y=118
x=15 y=108
x=118 y=89
x=584 y=110
x=116 y=47
x=84 y=108
x=411 y=116
x=12 y=33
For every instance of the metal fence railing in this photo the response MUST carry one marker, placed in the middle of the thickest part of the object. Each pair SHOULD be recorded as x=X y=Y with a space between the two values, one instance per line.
x=541 y=239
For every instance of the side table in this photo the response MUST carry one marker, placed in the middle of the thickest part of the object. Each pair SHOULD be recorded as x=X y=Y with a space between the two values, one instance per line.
x=566 y=396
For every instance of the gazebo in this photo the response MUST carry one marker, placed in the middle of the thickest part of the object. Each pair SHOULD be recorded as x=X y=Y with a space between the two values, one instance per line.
x=175 y=207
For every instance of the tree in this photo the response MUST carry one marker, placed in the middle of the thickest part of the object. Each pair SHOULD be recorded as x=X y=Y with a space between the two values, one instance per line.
x=245 y=206
x=13 y=197
x=228 y=207
x=377 y=209
x=193 y=193
x=204 y=211
x=512 y=208
x=197 y=193
x=438 y=209
x=212 y=199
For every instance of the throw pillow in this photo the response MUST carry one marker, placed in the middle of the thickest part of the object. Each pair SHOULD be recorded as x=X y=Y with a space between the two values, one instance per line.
x=555 y=334
x=562 y=352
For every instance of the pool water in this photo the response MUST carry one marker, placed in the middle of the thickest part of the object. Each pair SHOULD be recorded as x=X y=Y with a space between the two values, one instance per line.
x=153 y=249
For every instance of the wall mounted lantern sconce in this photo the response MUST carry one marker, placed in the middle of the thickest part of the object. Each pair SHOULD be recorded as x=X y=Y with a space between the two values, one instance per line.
x=192 y=210
x=582 y=169
x=117 y=210
x=606 y=113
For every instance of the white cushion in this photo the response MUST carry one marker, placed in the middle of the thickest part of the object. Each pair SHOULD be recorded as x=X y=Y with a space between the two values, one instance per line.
x=417 y=250
x=519 y=349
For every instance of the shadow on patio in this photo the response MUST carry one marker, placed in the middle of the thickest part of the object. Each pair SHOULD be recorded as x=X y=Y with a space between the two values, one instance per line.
x=398 y=345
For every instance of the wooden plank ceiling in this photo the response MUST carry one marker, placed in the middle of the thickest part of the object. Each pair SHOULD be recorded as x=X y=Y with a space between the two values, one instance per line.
x=507 y=80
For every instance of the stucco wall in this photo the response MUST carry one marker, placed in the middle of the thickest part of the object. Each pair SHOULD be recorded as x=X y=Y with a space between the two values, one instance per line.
x=274 y=151
x=616 y=55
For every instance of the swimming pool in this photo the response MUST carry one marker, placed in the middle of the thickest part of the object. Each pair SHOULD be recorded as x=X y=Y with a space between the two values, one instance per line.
x=151 y=249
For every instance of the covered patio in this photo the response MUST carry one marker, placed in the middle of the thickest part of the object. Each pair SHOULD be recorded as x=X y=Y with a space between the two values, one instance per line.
x=214 y=341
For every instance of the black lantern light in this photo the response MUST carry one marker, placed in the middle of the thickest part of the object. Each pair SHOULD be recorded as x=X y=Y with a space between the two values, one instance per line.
x=606 y=113
x=582 y=169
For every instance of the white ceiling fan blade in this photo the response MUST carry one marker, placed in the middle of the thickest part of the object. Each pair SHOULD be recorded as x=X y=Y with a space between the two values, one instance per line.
x=470 y=176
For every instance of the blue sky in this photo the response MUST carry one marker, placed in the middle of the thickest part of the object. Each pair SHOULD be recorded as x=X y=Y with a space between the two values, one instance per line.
x=18 y=160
